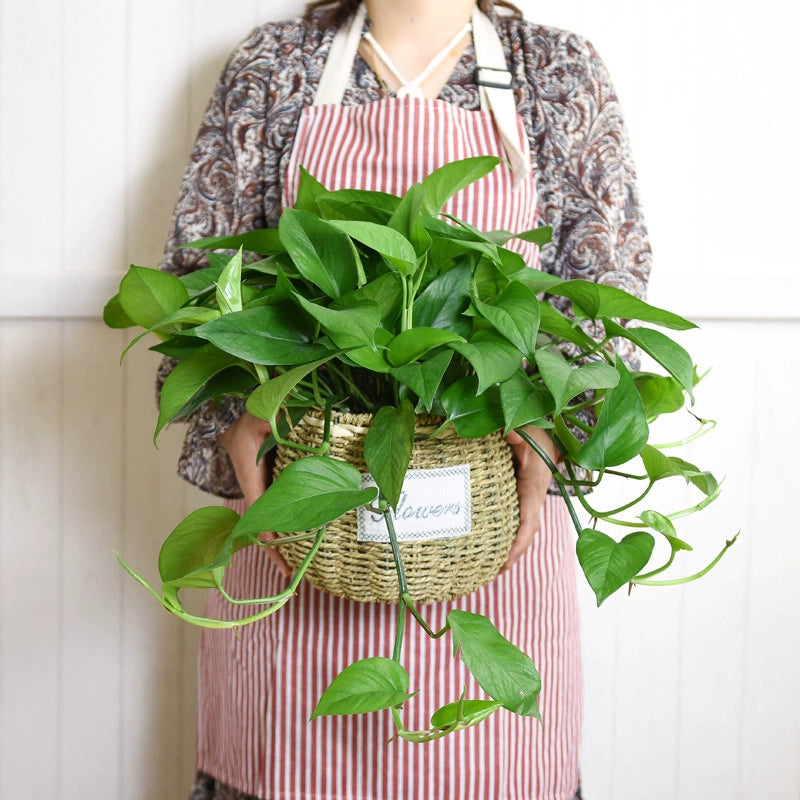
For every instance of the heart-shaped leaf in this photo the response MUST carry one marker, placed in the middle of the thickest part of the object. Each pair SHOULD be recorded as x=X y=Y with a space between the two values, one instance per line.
x=515 y=314
x=659 y=346
x=523 y=401
x=148 y=295
x=387 y=448
x=424 y=377
x=621 y=431
x=473 y=415
x=371 y=684
x=320 y=252
x=503 y=671
x=410 y=345
x=609 y=564
x=494 y=358
x=195 y=543
x=265 y=335
x=451 y=178
x=307 y=494
x=464 y=713
x=566 y=381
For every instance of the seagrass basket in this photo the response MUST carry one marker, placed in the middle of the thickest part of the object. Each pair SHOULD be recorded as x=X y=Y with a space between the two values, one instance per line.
x=437 y=569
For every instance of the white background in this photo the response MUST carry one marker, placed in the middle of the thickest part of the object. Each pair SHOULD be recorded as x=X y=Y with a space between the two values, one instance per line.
x=691 y=692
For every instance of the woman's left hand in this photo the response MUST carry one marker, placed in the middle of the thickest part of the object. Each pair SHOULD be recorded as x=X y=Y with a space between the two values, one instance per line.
x=533 y=480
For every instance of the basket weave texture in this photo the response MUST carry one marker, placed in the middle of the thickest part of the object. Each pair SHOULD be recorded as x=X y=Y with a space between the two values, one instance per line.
x=436 y=570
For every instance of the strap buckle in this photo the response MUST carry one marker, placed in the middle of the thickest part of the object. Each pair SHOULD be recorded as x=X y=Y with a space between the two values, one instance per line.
x=501 y=79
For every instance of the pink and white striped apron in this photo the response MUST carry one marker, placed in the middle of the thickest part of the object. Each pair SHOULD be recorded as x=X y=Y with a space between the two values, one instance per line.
x=257 y=691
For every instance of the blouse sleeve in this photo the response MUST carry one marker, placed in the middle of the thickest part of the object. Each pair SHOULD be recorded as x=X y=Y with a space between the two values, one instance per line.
x=588 y=180
x=585 y=174
x=222 y=194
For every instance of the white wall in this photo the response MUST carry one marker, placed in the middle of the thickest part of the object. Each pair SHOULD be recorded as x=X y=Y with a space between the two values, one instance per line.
x=691 y=691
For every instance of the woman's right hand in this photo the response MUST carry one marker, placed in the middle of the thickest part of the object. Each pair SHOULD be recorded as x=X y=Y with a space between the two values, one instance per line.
x=242 y=442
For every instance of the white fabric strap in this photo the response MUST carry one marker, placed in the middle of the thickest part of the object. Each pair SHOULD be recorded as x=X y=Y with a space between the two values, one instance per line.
x=492 y=68
x=336 y=71
x=412 y=88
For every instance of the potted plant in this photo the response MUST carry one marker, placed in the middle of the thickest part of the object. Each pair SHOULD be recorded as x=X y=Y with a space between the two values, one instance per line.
x=364 y=303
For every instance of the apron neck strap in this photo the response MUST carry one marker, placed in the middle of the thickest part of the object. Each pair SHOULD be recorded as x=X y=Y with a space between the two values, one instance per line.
x=491 y=74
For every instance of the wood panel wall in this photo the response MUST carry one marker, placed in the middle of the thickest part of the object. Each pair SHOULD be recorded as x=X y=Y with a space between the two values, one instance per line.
x=690 y=691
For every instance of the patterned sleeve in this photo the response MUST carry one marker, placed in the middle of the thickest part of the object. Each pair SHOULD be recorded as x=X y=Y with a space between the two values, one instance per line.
x=585 y=173
x=222 y=194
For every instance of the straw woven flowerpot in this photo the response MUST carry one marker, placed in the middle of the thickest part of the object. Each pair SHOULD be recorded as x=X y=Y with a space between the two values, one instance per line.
x=441 y=569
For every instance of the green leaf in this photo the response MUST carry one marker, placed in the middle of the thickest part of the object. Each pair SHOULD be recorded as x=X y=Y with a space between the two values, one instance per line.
x=406 y=220
x=555 y=323
x=659 y=346
x=202 y=280
x=371 y=684
x=236 y=381
x=658 y=466
x=352 y=327
x=451 y=178
x=393 y=246
x=424 y=377
x=494 y=358
x=503 y=671
x=621 y=431
x=464 y=714
x=598 y=300
x=307 y=494
x=178 y=346
x=267 y=399
x=536 y=280
x=320 y=251
x=541 y=235
x=443 y=300
x=309 y=191
x=194 y=544
x=566 y=382
x=663 y=525
x=410 y=345
x=229 y=286
x=515 y=314
x=148 y=295
x=187 y=379
x=608 y=564
x=524 y=403
x=270 y=335
x=370 y=358
x=661 y=394
x=265 y=242
x=386 y=290
x=114 y=316
x=185 y=316
x=473 y=415
x=359 y=204
x=387 y=449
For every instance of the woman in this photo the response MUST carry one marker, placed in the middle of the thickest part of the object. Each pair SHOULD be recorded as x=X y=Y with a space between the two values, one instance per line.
x=332 y=92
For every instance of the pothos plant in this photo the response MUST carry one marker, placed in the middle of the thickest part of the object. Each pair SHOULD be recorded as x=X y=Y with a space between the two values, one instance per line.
x=367 y=302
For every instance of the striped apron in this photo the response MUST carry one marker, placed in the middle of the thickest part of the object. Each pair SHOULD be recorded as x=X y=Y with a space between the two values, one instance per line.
x=257 y=690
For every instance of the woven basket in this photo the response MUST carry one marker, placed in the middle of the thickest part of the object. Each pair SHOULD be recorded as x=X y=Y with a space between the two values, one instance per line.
x=443 y=569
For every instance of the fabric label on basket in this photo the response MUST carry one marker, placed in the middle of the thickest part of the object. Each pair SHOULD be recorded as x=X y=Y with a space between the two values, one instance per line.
x=434 y=504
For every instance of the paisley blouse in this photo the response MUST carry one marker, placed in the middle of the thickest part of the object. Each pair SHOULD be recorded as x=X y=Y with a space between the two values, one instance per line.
x=584 y=171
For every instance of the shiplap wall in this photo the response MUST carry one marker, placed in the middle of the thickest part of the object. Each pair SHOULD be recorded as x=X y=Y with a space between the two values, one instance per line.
x=691 y=691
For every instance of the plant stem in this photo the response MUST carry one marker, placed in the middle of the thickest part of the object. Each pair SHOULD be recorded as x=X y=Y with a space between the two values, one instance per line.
x=554 y=470
x=411 y=606
x=401 y=626
x=689 y=578
x=398 y=559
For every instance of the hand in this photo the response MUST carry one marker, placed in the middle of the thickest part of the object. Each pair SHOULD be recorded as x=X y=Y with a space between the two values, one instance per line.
x=533 y=480
x=242 y=442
